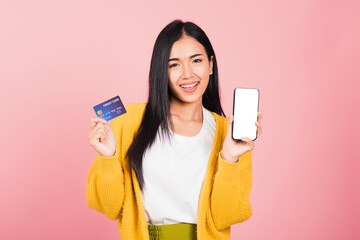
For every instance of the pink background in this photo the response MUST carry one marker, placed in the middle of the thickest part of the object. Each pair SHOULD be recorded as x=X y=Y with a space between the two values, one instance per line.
x=60 y=58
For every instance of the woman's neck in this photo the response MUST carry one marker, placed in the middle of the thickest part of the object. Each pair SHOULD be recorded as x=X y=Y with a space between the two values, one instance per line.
x=186 y=111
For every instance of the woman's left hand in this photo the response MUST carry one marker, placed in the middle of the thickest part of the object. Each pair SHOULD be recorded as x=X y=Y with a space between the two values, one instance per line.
x=233 y=149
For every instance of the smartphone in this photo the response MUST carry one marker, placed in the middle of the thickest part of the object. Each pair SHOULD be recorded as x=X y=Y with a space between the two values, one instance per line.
x=245 y=109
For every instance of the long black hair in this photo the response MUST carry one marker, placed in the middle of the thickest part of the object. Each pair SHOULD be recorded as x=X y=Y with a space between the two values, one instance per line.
x=157 y=111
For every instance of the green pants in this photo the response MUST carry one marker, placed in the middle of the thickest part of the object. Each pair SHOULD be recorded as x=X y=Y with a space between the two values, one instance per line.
x=178 y=231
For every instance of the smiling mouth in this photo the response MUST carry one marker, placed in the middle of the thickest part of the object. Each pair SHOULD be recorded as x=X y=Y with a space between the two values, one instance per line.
x=187 y=86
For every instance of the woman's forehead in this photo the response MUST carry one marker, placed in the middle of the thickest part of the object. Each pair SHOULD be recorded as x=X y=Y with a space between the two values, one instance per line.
x=186 y=47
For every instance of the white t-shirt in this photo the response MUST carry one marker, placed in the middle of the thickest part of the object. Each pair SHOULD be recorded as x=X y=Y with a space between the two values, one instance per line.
x=174 y=172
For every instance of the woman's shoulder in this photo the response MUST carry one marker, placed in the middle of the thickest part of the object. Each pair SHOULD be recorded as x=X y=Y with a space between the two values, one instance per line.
x=133 y=114
x=134 y=108
x=218 y=117
x=220 y=121
x=135 y=111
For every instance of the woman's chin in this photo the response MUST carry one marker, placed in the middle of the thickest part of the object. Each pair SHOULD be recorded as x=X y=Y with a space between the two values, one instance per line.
x=188 y=99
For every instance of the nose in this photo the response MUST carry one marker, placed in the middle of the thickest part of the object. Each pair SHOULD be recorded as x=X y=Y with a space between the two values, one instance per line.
x=187 y=71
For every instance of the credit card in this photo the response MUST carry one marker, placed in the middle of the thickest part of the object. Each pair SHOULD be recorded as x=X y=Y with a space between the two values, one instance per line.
x=110 y=109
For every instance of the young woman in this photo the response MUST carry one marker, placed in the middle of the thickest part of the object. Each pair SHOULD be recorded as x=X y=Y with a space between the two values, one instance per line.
x=169 y=168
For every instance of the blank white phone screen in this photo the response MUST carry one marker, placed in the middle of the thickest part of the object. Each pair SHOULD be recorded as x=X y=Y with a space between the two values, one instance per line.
x=246 y=102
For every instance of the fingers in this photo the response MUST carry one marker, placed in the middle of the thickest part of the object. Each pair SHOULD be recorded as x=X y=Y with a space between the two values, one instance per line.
x=99 y=130
x=100 y=127
x=249 y=143
x=97 y=137
x=246 y=139
x=258 y=124
x=107 y=126
x=229 y=124
x=259 y=116
x=95 y=120
x=259 y=128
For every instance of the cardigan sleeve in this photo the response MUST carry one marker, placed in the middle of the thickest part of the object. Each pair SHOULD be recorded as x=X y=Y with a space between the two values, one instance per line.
x=105 y=181
x=230 y=194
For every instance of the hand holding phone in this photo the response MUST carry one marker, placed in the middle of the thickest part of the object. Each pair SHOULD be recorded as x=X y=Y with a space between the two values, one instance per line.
x=245 y=109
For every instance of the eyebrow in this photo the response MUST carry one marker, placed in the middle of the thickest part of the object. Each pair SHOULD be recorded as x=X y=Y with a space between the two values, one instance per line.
x=192 y=56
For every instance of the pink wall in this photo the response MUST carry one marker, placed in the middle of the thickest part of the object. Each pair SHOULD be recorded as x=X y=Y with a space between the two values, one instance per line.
x=60 y=58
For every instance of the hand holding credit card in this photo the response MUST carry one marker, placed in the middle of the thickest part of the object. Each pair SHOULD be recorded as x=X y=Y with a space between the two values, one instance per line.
x=110 y=109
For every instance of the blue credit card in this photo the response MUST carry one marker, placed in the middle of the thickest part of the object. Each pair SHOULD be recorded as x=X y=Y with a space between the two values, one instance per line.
x=110 y=109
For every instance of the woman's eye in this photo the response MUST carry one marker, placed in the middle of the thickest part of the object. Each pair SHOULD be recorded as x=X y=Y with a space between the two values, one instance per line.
x=197 y=60
x=173 y=65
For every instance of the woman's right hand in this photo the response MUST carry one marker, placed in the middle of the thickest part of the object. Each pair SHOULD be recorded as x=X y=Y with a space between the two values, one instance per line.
x=101 y=137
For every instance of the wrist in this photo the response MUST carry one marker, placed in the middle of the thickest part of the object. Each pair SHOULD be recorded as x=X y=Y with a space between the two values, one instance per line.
x=228 y=157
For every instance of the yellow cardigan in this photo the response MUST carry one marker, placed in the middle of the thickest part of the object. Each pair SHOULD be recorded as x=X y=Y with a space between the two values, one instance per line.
x=112 y=187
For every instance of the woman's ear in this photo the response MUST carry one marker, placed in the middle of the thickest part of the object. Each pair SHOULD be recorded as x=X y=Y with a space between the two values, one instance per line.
x=211 y=64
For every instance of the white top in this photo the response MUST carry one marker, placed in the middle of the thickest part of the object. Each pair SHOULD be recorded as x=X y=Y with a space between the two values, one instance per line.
x=174 y=172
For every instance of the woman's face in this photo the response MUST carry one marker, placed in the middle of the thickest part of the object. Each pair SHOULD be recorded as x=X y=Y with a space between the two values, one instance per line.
x=189 y=70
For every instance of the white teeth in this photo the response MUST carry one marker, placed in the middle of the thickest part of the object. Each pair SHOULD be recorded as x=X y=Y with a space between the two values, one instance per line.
x=189 y=86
